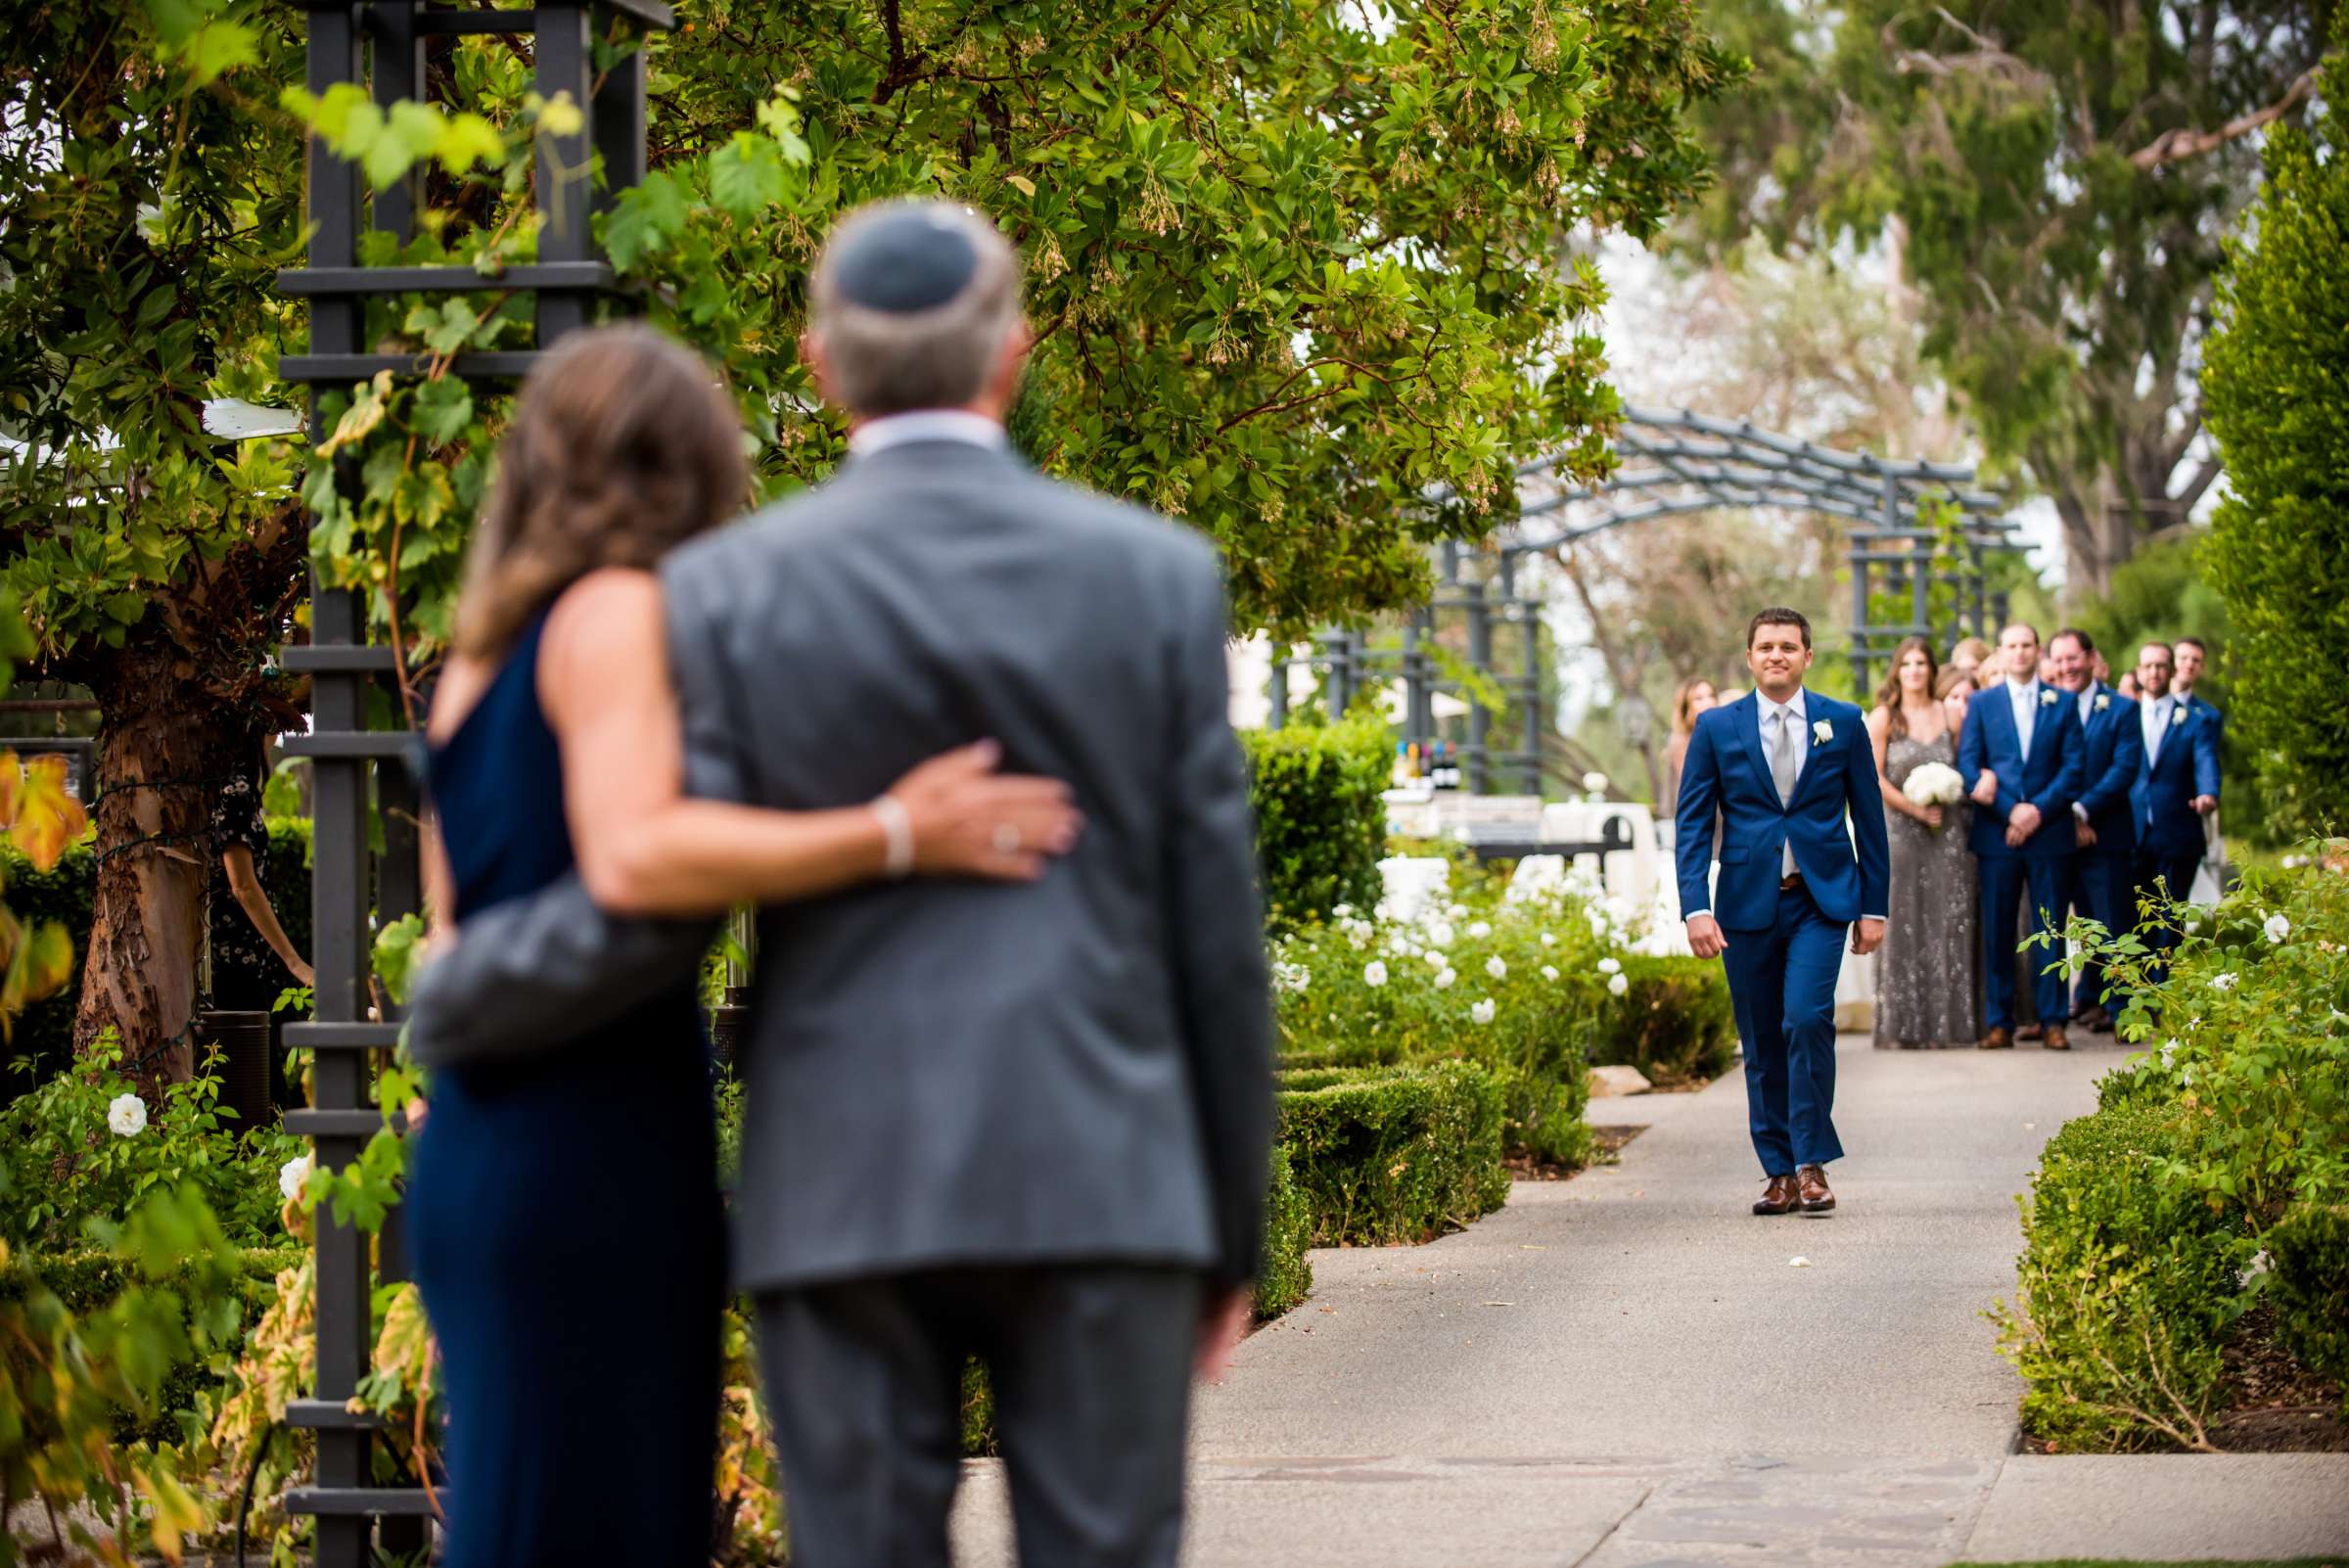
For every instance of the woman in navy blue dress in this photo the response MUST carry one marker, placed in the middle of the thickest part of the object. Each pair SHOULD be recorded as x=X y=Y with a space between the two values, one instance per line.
x=564 y=1205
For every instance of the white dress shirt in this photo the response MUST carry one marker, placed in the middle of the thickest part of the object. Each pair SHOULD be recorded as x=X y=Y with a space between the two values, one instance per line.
x=926 y=424
x=2024 y=694
x=2154 y=714
x=1774 y=716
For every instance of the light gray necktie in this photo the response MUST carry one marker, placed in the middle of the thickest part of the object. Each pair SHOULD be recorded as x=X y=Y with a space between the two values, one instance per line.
x=1785 y=766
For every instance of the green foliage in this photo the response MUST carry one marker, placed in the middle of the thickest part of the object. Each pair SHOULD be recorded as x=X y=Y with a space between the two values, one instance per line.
x=2230 y=1136
x=2252 y=1028
x=89 y=1281
x=43 y=1039
x=69 y=1376
x=1677 y=1024
x=2275 y=378
x=1320 y=823
x=1287 y=1278
x=2309 y=1291
x=2124 y=1284
x=68 y=1169
x=1394 y=1154
x=2054 y=177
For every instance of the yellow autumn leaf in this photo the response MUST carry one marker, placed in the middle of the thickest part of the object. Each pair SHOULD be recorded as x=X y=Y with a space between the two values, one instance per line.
x=405 y=1346
x=12 y=786
x=177 y=1513
x=47 y=816
x=366 y=411
x=1025 y=186
x=48 y=961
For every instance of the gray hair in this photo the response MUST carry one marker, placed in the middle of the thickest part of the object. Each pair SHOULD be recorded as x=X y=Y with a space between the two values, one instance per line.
x=886 y=362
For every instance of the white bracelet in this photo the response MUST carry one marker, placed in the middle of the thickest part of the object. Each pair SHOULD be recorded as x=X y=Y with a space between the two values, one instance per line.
x=896 y=828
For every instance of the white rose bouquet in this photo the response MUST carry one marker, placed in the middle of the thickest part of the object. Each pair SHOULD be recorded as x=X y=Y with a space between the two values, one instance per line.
x=1934 y=784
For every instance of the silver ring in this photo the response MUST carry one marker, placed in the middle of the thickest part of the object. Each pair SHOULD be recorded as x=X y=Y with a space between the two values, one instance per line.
x=1007 y=839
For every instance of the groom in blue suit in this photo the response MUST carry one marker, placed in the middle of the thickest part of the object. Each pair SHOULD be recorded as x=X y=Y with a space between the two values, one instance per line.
x=2022 y=747
x=1782 y=766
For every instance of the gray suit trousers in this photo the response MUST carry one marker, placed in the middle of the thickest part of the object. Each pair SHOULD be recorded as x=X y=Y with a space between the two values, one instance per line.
x=1090 y=1365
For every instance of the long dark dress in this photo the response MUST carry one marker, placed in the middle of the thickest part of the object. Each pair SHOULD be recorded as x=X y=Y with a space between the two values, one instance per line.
x=1926 y=971
x=567 y=1231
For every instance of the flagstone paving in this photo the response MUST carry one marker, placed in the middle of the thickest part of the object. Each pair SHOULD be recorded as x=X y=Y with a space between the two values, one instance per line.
x=1630 y=1371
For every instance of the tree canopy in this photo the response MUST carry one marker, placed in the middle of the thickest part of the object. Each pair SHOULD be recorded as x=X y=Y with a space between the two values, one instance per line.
x=2058 y=177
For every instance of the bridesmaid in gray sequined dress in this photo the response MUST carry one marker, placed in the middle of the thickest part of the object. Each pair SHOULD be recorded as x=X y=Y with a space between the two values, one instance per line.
x=1925 y=979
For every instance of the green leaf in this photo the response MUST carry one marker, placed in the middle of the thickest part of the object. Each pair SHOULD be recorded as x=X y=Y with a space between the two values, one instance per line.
x=469 y=139
x=644 y=222
x=217 y=48
x=441 y=410
x=746 y=175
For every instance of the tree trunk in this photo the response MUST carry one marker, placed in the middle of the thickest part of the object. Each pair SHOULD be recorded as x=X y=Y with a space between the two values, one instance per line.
x=184 y=703
x=161 y=756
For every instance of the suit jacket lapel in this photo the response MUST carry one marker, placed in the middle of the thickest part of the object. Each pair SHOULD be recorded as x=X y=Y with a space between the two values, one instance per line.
x=1814 y=754
x=1749 y=731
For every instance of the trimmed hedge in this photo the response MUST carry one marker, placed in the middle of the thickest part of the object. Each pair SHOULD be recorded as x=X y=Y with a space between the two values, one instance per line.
x=88 y=1282
x=2127 y=1285
x=1320 y=822
x=1677 y=1024
x=2309 y=1252
x=1395 y=1154
x=1288 y=1277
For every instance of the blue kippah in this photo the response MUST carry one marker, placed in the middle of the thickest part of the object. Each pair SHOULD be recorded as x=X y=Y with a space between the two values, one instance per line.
x=914 y=259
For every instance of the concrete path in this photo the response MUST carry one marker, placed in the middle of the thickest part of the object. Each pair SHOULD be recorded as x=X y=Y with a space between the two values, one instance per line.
x=1626 y=1370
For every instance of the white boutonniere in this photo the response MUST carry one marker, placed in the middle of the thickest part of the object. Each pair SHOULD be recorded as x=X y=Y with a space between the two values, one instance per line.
x=1821 y=733
x=2103 y=701
x=2178 y=719
x=2047 y=698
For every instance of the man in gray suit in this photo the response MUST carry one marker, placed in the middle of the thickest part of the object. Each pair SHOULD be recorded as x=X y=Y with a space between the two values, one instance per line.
x=1025 y=1122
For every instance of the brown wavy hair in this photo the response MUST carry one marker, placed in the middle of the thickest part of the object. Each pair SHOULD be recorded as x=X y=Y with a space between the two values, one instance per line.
x=624 y=445
x=1888 y=695
x=1683 y=722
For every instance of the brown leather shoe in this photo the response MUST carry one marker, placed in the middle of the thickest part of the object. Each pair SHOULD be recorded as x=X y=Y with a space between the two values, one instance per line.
x=2030 y=1032
x=1810 y=1186
x=2097 y=1021
x=2055 y=1039
x=1997 y=1039
x=1779 y=1198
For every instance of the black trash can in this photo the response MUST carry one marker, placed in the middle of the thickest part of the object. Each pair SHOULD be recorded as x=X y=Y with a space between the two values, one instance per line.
x=245 y=1067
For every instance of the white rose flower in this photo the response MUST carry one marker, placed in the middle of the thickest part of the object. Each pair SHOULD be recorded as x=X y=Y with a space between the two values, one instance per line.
x=1483 y=1011
x=2225 y=982
x=2047 y=698
x=126 y=1113
x=1481 y=930
x=1548 y=941
x=1441 y=935
x=1358 y=942
x=1437 y=961
x=1382 y=910
x=1549 y=971
x=1459 y=911
x=1496 y=969
x=1340 y=910
x=292 y=1175
x=1610 y=966
x=2278 y=928
x=2259 y=1265
x=2169 y=1050
x=1375 y=973
x=1821 y=733
x=1618 y=985
x=1445 y=979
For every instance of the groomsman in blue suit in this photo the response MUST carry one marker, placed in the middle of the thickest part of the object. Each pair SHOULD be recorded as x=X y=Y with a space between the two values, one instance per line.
x=1781 y=768
x=2178 y=783
x=2102 y=874
x=2022 y=748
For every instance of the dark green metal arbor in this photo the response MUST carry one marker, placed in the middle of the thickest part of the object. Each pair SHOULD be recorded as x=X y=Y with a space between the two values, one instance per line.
x=1676 y=464
x=383 y=45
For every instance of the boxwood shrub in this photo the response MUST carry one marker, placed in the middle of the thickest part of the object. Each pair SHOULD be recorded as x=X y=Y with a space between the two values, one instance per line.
x=2127 y=1285
x=1394 y=1154
x=1320 y=823
x=2309 y=1251
x=1288 y=1277
x=1675 y=1025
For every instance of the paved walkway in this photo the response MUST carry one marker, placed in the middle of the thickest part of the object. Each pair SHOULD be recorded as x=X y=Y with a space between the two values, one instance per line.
x=1626 y=1371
